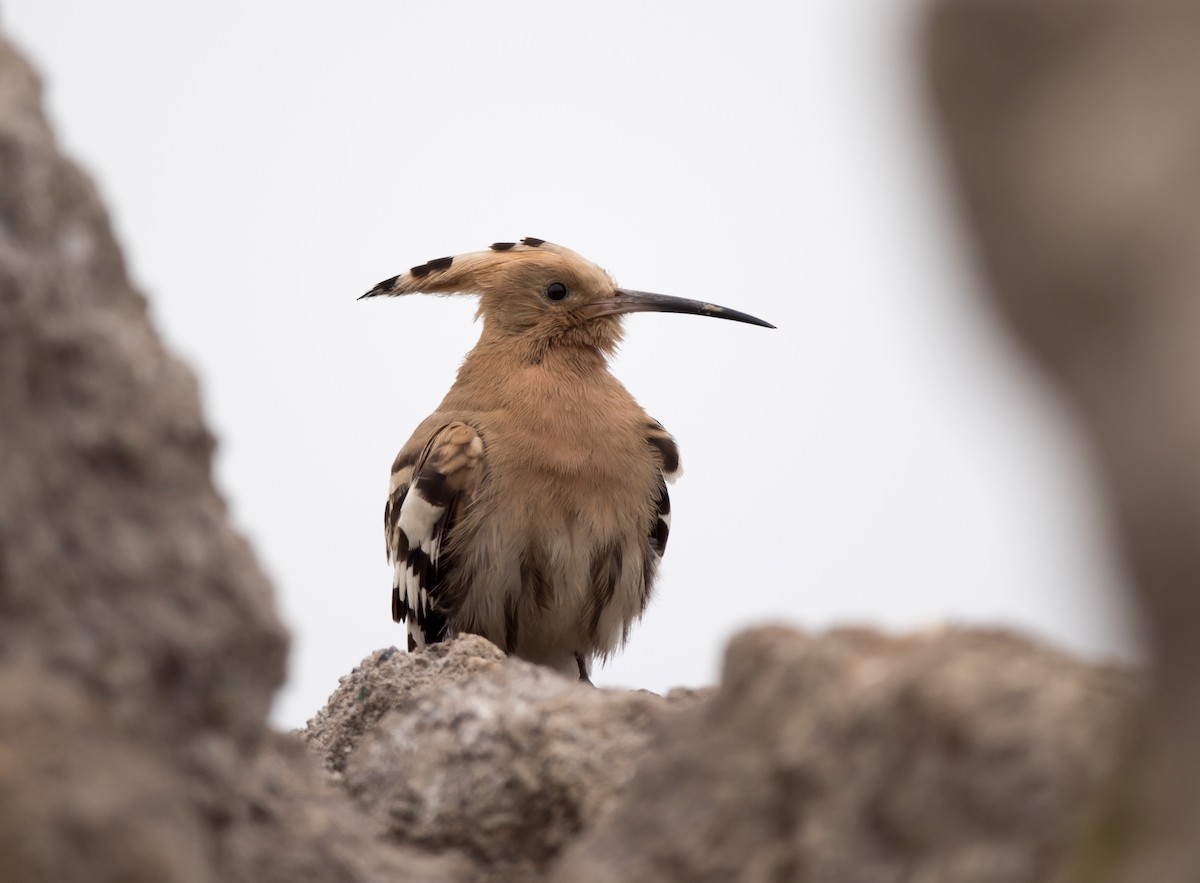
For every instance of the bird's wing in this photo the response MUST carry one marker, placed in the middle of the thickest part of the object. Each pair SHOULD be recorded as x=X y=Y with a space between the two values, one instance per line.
x=662 y=525
x=426 y=497
x=670 y=469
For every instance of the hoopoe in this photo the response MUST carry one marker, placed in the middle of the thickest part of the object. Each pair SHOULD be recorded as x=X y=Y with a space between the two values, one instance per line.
x=531 y=508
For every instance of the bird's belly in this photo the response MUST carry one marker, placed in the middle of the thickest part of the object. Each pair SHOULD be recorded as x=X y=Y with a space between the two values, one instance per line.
x=555 y=561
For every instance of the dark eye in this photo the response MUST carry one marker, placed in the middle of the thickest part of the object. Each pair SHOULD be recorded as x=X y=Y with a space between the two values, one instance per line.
x=556 y=291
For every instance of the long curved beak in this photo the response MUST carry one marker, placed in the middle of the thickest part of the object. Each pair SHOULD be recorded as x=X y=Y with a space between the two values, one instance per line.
x=628 y=301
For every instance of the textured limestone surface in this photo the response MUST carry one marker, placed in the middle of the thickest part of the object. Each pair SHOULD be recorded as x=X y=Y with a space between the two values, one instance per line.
x=387 y=680
x=500 y=760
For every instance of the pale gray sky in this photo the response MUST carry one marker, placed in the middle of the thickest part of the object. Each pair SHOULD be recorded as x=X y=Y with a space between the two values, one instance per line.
x=882 y=458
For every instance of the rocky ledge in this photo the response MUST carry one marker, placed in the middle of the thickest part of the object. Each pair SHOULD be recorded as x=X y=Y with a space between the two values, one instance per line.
x=959 y=755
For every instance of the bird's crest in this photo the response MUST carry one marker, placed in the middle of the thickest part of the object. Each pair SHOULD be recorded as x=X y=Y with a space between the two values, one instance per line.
x=544 y=295
x=479 y=272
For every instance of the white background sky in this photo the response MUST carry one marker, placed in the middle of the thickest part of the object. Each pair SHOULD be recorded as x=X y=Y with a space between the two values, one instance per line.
x=884 y=457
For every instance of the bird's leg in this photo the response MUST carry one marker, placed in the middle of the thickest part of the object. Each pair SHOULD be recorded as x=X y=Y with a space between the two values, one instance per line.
x=583 y=672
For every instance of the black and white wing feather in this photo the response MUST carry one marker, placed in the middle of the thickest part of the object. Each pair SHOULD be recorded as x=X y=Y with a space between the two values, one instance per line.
x=426 y=497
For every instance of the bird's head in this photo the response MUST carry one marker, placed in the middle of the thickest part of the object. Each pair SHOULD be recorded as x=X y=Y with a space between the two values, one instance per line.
x=544 y=294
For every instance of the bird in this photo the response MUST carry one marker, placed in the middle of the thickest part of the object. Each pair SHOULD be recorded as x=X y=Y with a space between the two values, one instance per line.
x=531 y=507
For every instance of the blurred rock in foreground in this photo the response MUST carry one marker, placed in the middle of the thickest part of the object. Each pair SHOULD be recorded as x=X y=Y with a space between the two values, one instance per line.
x=139 y=645
x=1074 y=131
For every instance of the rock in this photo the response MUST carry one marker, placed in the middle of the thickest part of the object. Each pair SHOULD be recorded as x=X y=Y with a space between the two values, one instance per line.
x=496 y=759
x=294 y=824
x=962 y=756
x=387 y=680
x=118 y=568
x=139 y=645
x=1073 y=130
x=80 y=800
